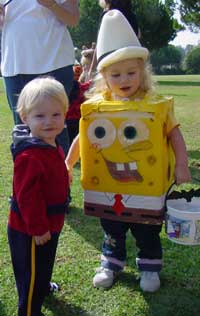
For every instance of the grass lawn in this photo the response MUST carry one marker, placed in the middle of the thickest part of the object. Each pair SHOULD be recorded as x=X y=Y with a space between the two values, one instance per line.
x=80 y=242
x=185 y=80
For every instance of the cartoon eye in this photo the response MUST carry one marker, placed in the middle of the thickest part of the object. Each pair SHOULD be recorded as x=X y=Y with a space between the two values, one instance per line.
x=101 y=132
x=132 y=131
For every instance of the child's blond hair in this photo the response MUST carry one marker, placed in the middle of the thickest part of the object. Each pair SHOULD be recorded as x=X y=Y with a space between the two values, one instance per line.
x=37 y=90
x=146 y=85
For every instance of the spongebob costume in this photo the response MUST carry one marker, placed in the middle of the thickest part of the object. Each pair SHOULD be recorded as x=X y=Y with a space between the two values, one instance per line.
x=126 y=159
x=127 y=163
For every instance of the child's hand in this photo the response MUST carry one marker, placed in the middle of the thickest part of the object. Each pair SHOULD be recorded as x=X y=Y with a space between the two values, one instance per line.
x=182 y=174
x=72 y=157
x=41 y=240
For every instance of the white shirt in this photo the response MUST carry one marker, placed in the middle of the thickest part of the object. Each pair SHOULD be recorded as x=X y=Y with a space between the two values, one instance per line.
x=129 y=201
x=34 y=41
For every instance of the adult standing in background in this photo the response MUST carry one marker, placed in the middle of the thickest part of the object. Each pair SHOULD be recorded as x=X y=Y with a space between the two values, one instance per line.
x=35 y=42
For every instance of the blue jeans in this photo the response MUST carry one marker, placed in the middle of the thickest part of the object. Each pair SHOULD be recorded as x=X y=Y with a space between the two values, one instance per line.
x=15 y=84
x=149 y=256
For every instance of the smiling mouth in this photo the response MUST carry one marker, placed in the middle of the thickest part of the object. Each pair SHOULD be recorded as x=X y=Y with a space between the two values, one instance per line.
x=124 y=172
x=49 y=129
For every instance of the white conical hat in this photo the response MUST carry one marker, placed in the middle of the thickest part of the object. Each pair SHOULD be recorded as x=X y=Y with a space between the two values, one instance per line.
x=117 y=41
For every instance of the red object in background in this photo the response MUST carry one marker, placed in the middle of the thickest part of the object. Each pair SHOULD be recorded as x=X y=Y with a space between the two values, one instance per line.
x=77 y=71
x=74 y=108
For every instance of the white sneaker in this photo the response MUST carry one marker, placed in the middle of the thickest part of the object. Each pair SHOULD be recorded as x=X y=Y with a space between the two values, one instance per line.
x=104 y=278
x=149 y=281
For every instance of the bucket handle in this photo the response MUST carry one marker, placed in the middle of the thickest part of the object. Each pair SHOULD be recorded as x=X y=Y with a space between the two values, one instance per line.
x=175 y=195
x=168 y=194
x=183 y=194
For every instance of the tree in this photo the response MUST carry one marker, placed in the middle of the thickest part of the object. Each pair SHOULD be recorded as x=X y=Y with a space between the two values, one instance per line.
x=86 y=32
x=192 y=61
x=156 y=22
x=190 y=13
x=167 y=60
x=157 y=25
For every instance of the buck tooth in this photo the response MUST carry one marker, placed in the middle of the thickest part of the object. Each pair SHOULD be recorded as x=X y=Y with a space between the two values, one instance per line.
x=132 y=166
x=120 y=167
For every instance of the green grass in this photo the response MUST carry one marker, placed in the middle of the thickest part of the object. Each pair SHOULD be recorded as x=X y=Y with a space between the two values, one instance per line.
x=80 y=242
x=182 y=78
x=177 y=80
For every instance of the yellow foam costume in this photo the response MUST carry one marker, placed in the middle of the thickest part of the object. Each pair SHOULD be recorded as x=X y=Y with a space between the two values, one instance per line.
x=127 y=163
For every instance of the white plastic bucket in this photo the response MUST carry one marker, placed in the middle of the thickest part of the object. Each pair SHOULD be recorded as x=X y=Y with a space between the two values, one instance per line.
x=183 y=221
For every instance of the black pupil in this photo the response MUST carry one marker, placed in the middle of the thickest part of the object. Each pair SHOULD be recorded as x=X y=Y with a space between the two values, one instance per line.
x=100 y=132
x=130 y=132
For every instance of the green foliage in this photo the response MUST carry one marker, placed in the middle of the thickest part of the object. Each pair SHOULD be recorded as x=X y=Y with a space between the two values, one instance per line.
x=192 y=61
x=167 y=60
x=156 y=23
x=86 y=32
x=190 y=13
x=155 y=20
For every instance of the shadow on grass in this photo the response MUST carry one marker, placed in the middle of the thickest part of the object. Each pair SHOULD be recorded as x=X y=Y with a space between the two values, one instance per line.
x=59 y=307
x=173 y=298
x=86 y=226
x=174 y=94
x=178 y=83
x=2 y=310
x=178 y=301
x=128 y=280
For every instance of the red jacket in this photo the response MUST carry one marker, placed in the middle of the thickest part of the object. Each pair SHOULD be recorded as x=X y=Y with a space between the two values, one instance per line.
x=40 y=189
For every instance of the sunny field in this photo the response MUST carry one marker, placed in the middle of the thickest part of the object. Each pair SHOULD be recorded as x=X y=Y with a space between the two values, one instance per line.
x=80 y=242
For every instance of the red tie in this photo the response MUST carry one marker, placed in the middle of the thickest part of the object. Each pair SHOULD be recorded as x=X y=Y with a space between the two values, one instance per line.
x=118 y=206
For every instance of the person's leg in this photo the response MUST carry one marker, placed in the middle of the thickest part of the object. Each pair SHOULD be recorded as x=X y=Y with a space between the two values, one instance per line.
x=20 y=249
x=13 y=86
x=44 y=262
x=113 y=252
x=149 y=257
x=64 y=75
x=114 y=244
x=32 y=267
